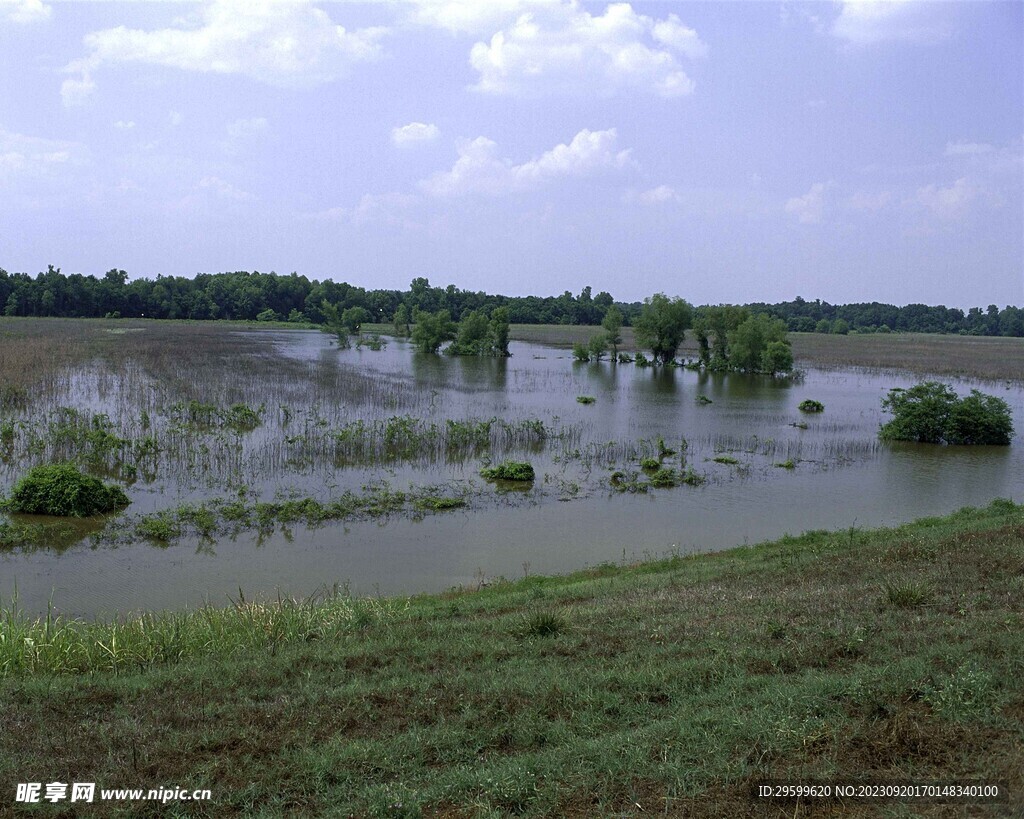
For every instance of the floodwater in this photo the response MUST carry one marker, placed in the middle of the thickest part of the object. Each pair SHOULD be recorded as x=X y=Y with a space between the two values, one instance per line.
x=570 y=518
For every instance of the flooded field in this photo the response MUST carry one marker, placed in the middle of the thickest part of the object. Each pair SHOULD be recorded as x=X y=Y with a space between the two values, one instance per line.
x=272 y=462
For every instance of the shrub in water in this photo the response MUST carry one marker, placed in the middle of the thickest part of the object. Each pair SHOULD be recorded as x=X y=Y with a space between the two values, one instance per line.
x=509 y=471
x=665 y=478
x=810 y=405
x=62 y=490
x=932 y=413
x=585 y=399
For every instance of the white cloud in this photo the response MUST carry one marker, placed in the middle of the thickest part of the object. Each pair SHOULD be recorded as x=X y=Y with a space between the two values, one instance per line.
x=246 y=128
x=672 y=33
x=865 y=201
x=388 y=208
x=967 y=148
x=867 y=22
x=949 y=203
x=477 y=170
x=566 y=49
x=124 y=125
x=810 y=207
x=25 y=11
x=655 y=196
x=279 y=42
x=473 y=16
x=22 y=155
x=414 y=132
x=75 y=91
x=223 y=189
x=175 y=117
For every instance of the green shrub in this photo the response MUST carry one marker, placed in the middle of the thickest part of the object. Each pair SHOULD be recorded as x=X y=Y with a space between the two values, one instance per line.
x=509 y=471
x=725 y=459
x=786 y=464
x=664 y=478
x=909 y=593
x=62 y=490
x=585 y=399
x=810 y=405
x=543 y=624
x=932 y=413
x=691 y=478
x=703 y=399
x=650 y=464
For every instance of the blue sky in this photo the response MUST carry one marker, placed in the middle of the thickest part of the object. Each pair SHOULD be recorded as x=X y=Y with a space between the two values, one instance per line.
x=723 y=152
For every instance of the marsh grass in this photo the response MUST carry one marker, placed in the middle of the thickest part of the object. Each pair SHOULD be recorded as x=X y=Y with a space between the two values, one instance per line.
x=675 y=685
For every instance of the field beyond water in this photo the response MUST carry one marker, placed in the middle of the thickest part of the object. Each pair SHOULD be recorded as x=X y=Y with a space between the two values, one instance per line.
x=665 y=688
x=982 y=357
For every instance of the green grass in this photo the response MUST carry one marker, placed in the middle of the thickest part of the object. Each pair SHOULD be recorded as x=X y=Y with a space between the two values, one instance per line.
x=662 y=688
x=725 y=459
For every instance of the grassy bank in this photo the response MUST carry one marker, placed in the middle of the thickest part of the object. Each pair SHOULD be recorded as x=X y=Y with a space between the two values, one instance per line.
x=664 y=688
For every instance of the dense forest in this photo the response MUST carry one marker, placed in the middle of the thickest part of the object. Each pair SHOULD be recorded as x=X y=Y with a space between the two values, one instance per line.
x=294 y=298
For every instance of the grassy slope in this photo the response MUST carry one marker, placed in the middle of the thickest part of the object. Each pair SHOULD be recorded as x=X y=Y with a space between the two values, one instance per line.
x=669 y=686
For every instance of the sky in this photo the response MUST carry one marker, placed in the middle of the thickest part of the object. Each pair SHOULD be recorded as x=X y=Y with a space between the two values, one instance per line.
x=721 y=152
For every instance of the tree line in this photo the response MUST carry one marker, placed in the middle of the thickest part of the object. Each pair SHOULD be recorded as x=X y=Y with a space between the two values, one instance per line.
x=255 y=296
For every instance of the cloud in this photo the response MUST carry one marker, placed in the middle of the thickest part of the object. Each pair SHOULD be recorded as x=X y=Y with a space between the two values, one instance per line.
x=873 y=202
x=175 y=117
x=473 y=16
x=278 y=42
x=22 y=155
x=124 y=125
x=810 y=207
x=949 y=203
x=223 y=189
x=374 y=206
x=867 y=22
x=967 y=148
x=414 y=132
x=75 y=91
x=655 y=196
x=477 y=170
x=247 y=128
x=25 y=11
x=565 y=49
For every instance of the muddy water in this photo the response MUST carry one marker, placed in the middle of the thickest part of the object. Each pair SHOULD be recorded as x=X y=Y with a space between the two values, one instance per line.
x=569 y=519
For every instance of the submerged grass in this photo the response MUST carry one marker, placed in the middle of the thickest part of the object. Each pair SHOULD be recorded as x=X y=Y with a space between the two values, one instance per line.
x=664 y=688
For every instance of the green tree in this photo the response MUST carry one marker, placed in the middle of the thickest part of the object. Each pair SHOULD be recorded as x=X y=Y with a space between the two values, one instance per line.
x=980 y=419
x=777 y=358
x=473 y=335
x=749 y=344
x=612 y=326
x=662 y=325
x=500 y=319
x=401 y=321
x=431 y=330
x=932 y=413
x=353 y=319
x=597 y=346
x=711 y=328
